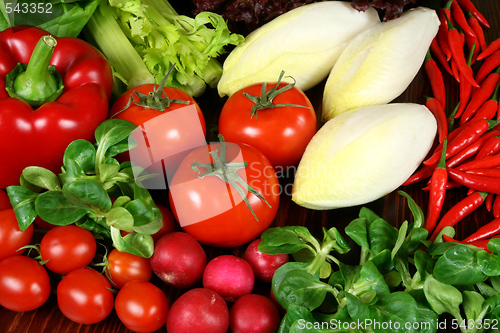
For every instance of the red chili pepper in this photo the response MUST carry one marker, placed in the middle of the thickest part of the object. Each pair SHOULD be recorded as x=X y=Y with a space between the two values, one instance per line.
x=491 y=161
x=449 y=185
x=469 y=6
x=489 y=64
x=470 y=150
x=435 y=79
x=451 y=117
x=455 y=71
x=490 y=147
x=466 y=134
x=473 y=47
x=458 y=15
x=437 y=110
x=457 y=51
x=487 y=111
x=437 y=192
x=423 y=173
x=489 y=172
x=460 y=210
x=475 y=182
x=489 y=49
x=489 y=201
x=478 y=30
x=481 y=95
x=488 y=230
x=465 y=88
x=440 y=56
x=496 y=207
x=442 y=34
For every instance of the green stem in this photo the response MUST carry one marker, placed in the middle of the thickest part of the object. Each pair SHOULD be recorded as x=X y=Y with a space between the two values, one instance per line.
x=37 y=82
x=120 y=53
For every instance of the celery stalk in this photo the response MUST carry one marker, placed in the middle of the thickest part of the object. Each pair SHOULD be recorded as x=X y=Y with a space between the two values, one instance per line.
x=117 y=48
x=159 y=38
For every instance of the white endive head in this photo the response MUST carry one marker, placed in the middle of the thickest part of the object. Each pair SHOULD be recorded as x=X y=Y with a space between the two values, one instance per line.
x=379 y=64
x=304 y=42
x=363 y=154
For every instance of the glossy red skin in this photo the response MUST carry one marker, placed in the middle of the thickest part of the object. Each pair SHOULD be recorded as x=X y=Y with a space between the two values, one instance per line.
x=24 y=284
x=232 y=225
x=11 y=238
x=229 y=276
x=168 y=224
x=84 y=296
x=172 y=138
x=198 y=310
x=254 y=313
x=39 y=137
x=263 y=265
x=67 y=248
x=281 y=133
x=124 y=267
x=141 y=306
x=178 y=260
x=4 y=200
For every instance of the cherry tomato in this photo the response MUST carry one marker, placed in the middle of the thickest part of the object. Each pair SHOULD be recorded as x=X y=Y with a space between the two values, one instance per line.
x=168 y=223
x=141 y=306
x=67 y=247
x=4 y=200
x=41 y=224
x=165 y=134
x=24 y=283
x=211 y=210
x=124 y=267
x=84 y=296
x=11 y=238
x=281 y=132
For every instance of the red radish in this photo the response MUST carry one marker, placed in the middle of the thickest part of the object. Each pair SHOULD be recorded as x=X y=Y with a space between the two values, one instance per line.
x=198 y=310
x=178 y=259
x=229 y=276
x=254 y=313
x=275 y=301
x=263 y=265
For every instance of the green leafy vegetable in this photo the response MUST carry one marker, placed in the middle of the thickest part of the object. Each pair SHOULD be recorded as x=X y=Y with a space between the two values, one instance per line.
x=61 y=18
x=144 y=39
x=81 y=194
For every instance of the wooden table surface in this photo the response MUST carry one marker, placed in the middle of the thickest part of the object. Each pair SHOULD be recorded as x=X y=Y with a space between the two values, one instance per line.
x=393 y=207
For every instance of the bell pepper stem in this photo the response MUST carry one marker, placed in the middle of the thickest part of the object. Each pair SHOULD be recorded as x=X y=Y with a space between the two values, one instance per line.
x=37 y=82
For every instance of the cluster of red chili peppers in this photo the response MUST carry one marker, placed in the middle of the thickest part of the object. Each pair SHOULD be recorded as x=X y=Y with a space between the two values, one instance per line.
x=468 y=149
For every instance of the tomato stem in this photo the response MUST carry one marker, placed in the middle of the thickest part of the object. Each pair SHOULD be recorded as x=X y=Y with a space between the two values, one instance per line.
x=226 y=171
x=265 y=100
x=154 y=99
x=37 y=82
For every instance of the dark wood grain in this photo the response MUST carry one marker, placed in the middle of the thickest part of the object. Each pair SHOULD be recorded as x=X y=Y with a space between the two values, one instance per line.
x=48 y=318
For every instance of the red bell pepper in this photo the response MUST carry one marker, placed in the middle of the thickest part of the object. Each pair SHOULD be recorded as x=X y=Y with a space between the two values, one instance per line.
x=52 y=91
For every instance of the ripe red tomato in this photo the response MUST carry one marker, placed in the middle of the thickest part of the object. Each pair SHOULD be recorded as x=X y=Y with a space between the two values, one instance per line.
x=4 y=200
x=211 y=210
x=84 y=296
x=67 y=248
x=281 y=132
x=24 y=283
x=141 y=306
x=11 y=238
x=165 y=134
x=124 y=267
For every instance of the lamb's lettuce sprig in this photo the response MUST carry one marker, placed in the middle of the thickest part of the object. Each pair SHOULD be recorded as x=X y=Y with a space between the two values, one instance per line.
x=93 y=191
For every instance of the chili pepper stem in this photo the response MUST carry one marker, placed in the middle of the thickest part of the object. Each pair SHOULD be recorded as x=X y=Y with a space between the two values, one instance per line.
x=37 y=82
